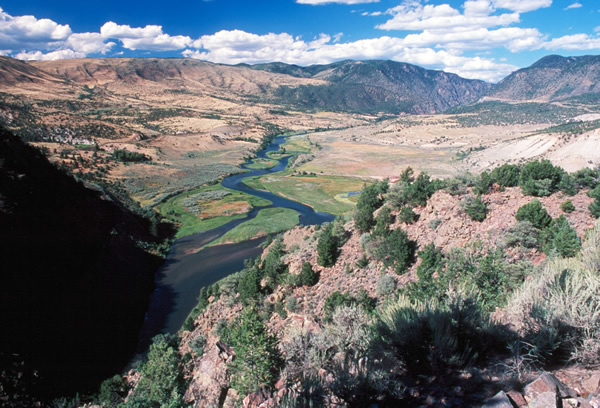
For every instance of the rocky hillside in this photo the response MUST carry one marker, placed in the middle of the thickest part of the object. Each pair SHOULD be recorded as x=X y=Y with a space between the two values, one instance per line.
x=77 y=271
x=377 y=86
x=435 y=323
x=552 y=78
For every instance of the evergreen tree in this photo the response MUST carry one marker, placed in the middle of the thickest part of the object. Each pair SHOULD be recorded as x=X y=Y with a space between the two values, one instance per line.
x=432 y=260
x=398 y=250
x=562 y=238
x=327 y=247
x=368 y=201
x=249 y=285
x=506 y=175
x=383 y=221
x=257 y=358
x=307 y=276
x=476 y=209
x=535 y=213
x=161 y=382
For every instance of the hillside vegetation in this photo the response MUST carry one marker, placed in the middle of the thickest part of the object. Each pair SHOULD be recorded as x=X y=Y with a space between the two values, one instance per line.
x=423 y=293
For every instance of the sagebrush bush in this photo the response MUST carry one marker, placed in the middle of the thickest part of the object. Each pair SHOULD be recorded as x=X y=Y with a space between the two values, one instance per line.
x=430 y=336
x=386 y=285
x=523 y=234
x=563 y=302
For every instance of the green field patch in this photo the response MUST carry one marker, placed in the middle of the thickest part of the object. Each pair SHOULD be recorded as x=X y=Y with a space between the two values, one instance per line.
x=208 y=207
x=267 y=221
x=298 y=144
x=262 y=164
x=277 y=155
x=318 y=192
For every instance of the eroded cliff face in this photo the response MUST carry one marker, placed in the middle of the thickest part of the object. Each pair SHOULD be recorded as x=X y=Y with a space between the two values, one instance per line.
x=208 y=374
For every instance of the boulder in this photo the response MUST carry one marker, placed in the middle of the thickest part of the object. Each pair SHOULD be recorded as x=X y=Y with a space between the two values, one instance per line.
x=546 y=383
x=546 y=399
x=499 y=400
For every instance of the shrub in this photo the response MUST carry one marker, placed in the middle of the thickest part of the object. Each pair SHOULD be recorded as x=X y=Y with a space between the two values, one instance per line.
x=383 y=221
x=432 y=261
x=386 y=285
x=535 y=213
x=435 y=223
x=558 y=310
x=327 y=247
x=562 y=238
x=249 y=286
x=567 y=206
x=335 y=300
x=369 y=200
x=407 y=215
x=291 y=304
x=398 y=250
x=127 y=156
x=413 y=191
x=483 y=183
x=161 y=381
x=540 y=178
x=257 y=358
x=594 y=208
x=476 y=209
x=523 y=234
x=431 y=337
x=307 y=276
x=112 y=391
x=197 y=345
x=506 y=175
x=362 y=262
x=568 y=185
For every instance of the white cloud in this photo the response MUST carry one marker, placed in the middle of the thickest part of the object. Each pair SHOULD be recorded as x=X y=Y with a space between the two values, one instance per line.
x=319 y=2
x=415 y=16
x=573 y=42
x=514 y=39
x=573 y=6
x=28 y=31
x=234 y=47
x=88 y=43
x=54 y=55
x=149 y=38
x=114 y=30
x=521 y=6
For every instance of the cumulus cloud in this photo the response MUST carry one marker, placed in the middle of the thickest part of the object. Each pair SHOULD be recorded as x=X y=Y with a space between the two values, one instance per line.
x=150 y=37
x=54 y=55
x=573 y=42
x=28 y=31
x=521 y=6
x=88 y=43
x=415 y=16
x=319 y=2
x=236 y=46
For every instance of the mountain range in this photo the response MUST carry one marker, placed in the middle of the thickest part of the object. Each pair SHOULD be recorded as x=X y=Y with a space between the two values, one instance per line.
x=369 y=87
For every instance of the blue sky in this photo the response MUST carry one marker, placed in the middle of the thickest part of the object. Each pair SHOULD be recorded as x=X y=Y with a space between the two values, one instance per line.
x=484 y=39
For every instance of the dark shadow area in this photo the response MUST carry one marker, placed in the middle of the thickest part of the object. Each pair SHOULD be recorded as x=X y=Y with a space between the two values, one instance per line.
x=74 y=280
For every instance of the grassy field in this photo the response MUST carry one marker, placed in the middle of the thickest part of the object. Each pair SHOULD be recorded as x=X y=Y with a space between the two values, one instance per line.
x=323 y=193
x=214 y=213
x=267 y=221
x=262 y=164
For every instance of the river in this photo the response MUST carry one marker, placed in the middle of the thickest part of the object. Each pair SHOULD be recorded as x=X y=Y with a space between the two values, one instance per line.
x=188 y=269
